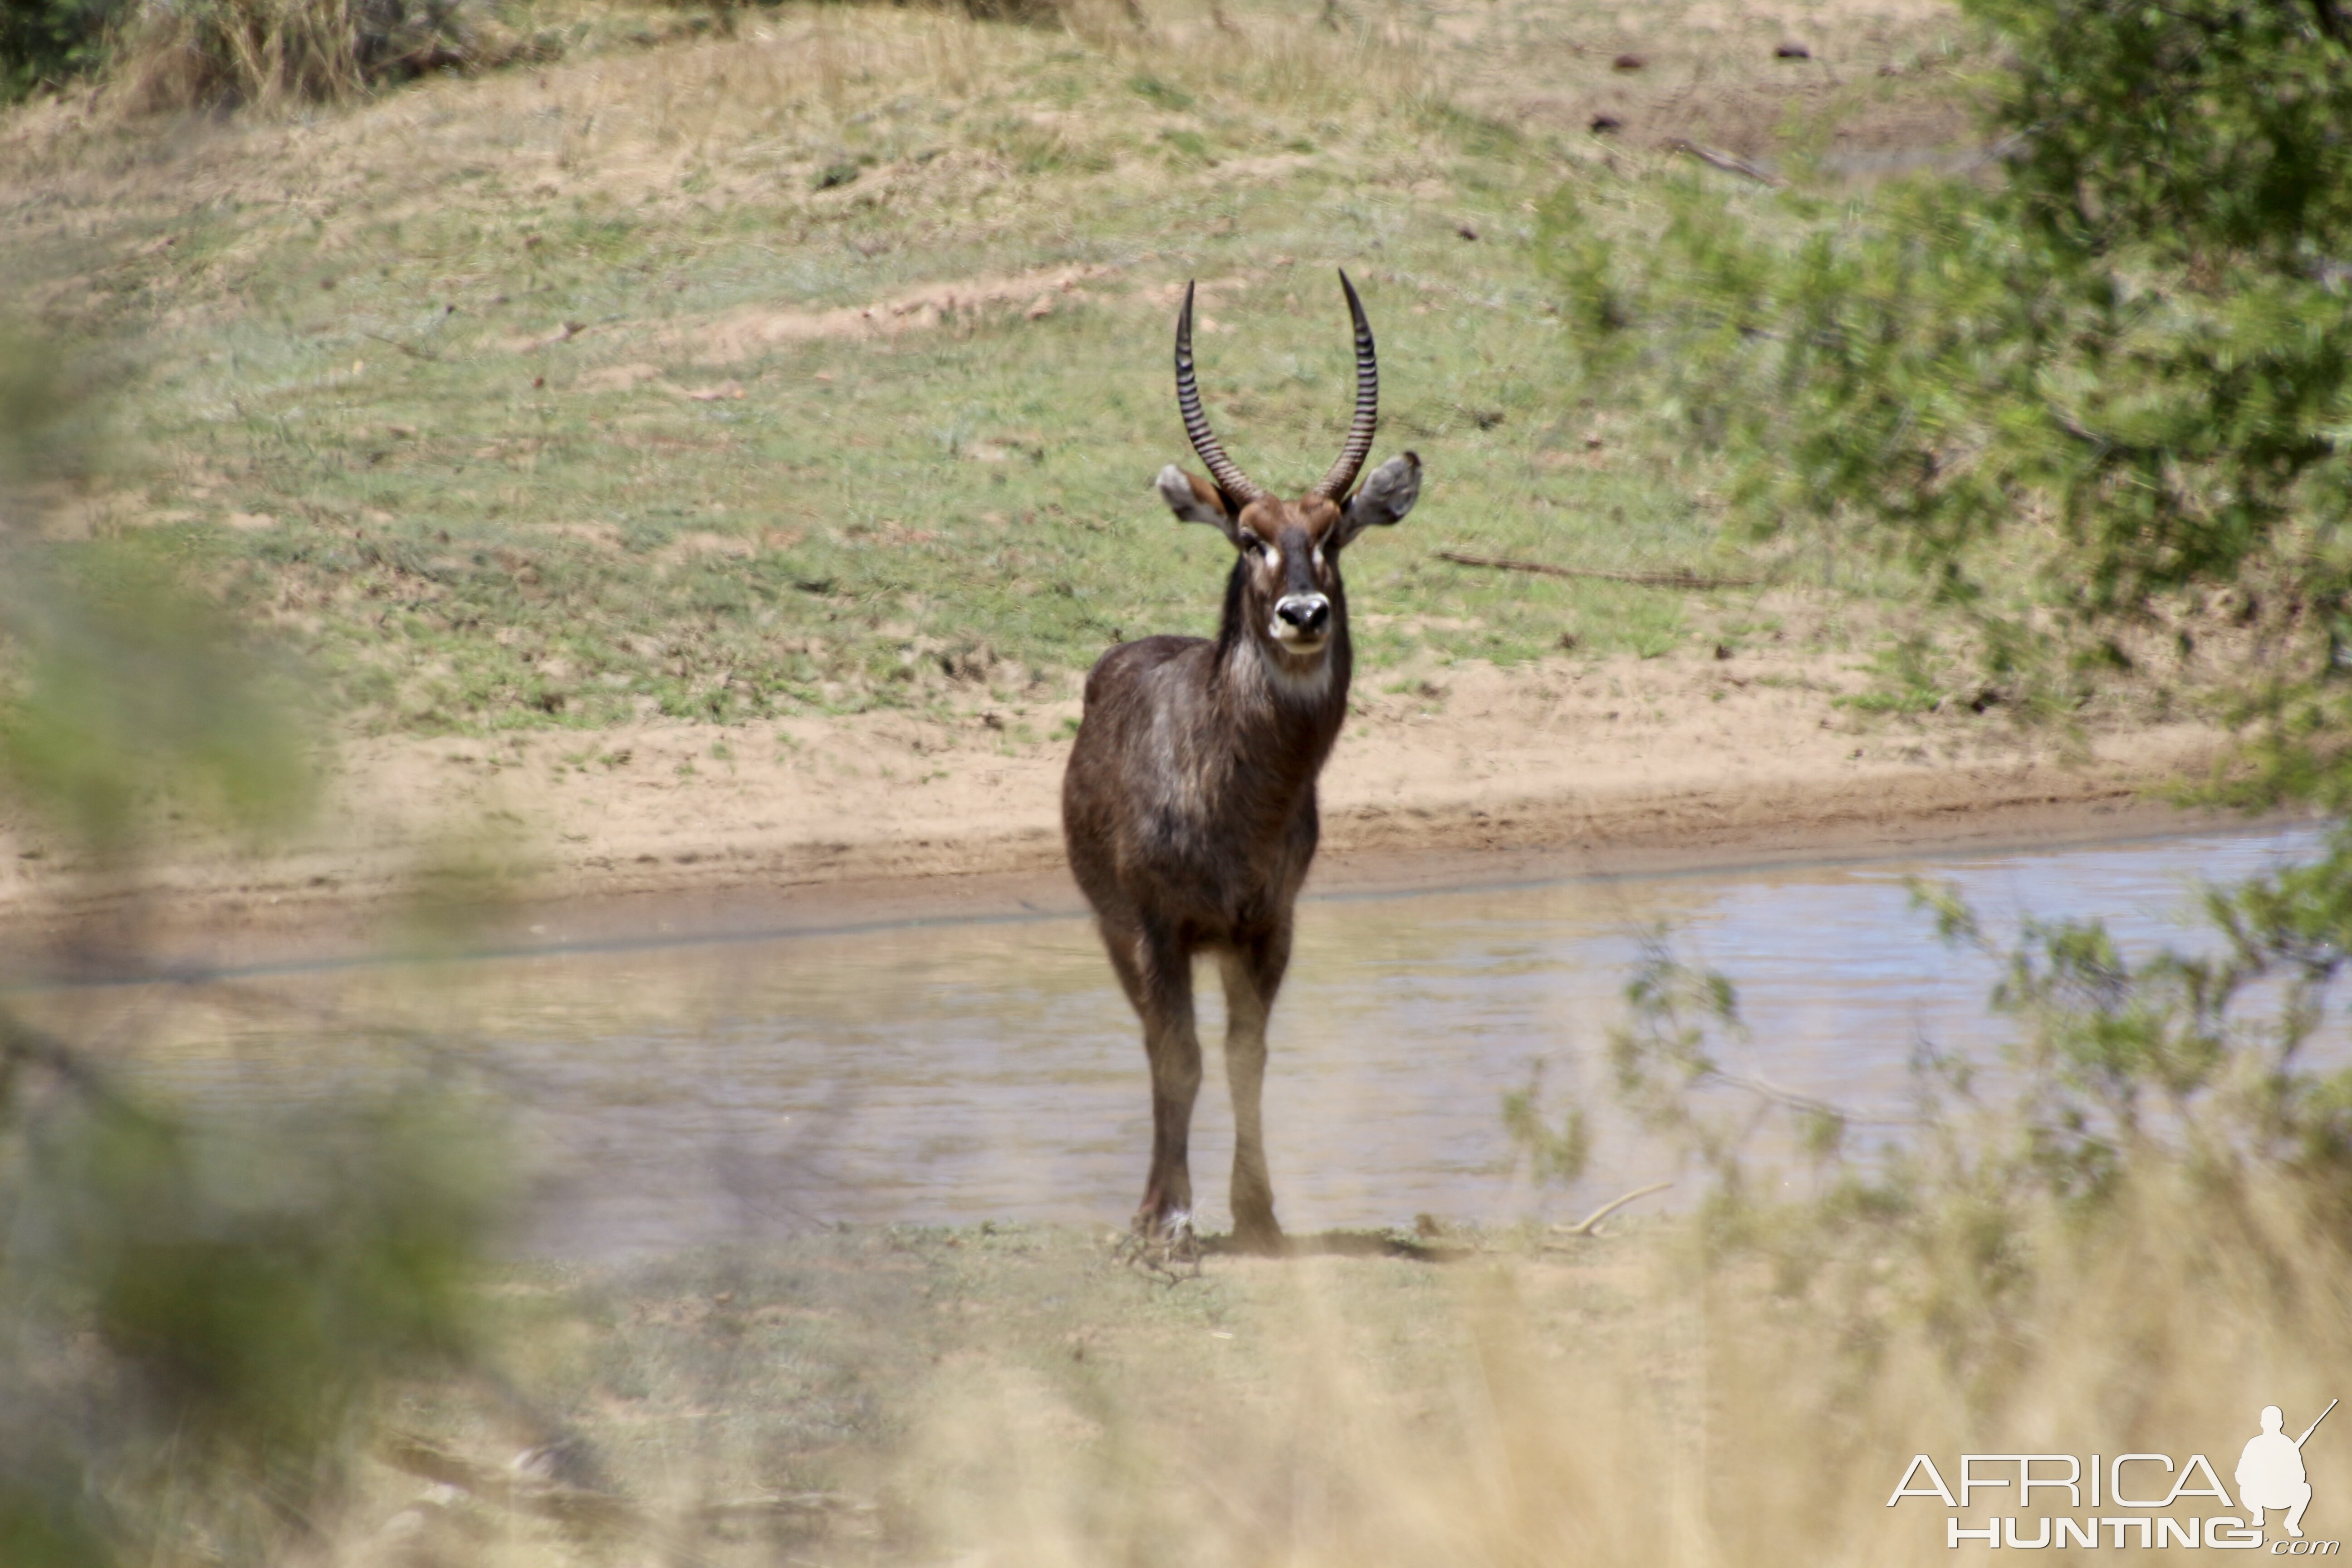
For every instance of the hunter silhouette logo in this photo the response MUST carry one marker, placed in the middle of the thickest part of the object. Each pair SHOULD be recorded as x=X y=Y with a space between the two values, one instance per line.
x=2270 y=1472
x=2115 y=1500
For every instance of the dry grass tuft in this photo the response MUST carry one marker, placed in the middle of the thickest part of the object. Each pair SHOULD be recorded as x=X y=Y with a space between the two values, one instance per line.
x=208 y=54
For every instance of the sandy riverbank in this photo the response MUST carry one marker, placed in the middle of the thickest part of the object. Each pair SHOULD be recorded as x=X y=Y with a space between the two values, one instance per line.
x=1572 y=767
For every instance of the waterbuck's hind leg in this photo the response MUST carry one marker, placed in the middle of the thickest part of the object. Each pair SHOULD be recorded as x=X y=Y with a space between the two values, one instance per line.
x=1157 y=974
x=1252 y=974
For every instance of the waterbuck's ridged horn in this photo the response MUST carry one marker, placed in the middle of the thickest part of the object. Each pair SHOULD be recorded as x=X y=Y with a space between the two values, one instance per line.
x=1334 y=485
x=1236 y=485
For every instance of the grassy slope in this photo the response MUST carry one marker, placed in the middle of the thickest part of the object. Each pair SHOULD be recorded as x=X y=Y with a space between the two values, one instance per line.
x=342 y=403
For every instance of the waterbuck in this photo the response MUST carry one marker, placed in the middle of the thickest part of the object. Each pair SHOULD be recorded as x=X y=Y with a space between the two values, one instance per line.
x=1188 y=806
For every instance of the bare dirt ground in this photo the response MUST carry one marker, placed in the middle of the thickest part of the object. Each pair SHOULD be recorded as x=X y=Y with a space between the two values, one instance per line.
x=1464 y=774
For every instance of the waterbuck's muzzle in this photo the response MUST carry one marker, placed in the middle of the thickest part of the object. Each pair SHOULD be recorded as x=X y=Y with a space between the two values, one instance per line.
x=1301 y=621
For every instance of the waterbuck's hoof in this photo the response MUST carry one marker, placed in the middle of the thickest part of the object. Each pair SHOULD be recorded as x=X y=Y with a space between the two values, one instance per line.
x=1165 y=1244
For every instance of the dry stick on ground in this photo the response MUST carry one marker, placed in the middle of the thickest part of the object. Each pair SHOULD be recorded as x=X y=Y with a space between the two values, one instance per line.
x=1591 y=1224
x=1723 y=160
x=1642 y=579
x=521 y=1493
x=411 y=350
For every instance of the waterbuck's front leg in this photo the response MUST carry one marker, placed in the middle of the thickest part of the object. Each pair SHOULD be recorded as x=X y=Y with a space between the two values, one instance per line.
x=1252 y=974
x=1157 y=976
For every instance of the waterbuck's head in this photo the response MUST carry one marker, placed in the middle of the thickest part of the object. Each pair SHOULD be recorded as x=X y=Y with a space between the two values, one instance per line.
x=1286 y=595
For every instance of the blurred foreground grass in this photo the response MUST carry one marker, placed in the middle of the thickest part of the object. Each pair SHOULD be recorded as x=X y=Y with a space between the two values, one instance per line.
x=1014 y=1396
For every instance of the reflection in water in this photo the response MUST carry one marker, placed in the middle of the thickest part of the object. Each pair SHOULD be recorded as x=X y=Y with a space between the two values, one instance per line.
x=674 y=1096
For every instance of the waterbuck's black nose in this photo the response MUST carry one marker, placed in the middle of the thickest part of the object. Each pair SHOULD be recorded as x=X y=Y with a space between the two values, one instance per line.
x=1307 y=613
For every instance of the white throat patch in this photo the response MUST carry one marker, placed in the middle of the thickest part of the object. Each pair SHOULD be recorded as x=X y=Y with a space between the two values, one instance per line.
x=1292 y=685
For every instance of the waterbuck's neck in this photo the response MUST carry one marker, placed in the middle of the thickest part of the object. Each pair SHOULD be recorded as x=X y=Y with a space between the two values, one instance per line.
x=1268 y=696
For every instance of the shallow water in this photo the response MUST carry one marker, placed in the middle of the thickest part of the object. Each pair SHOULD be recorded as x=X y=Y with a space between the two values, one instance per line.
x=674 y=1096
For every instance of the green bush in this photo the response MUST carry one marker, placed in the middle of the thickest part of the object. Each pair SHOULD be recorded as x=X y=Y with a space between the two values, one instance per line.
x=2088 y=392
x=200 y=1307
x=45 y=43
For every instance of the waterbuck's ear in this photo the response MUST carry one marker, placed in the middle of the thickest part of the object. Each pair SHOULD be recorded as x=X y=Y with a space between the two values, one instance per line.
x=1385 y=498
x=1193 y=500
